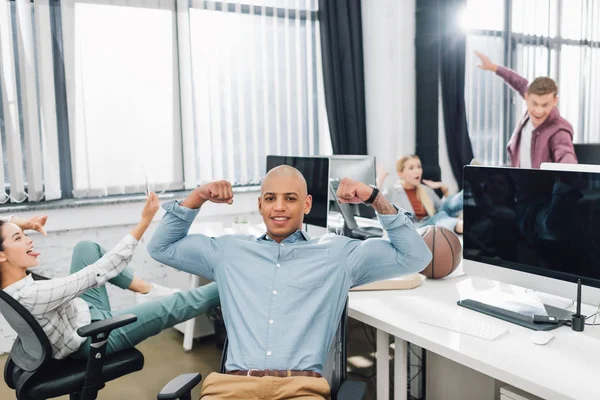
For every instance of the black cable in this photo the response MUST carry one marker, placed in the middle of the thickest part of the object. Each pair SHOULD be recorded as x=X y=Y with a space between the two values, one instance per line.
x=417 y=374
x=413 y=351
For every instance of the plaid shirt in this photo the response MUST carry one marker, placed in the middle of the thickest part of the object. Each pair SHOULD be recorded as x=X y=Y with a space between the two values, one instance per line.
x=55 y=303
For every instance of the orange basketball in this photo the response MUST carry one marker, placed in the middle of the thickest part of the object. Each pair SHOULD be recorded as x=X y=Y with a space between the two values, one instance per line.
x=445 y=248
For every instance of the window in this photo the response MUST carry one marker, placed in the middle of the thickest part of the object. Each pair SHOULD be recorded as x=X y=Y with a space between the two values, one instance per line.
x=124 y=96
x=29 y=168
x=177 y=92
x=536 y=38
x=254 y=76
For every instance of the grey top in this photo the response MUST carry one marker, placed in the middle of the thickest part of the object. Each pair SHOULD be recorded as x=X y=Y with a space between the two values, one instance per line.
x=397 y=195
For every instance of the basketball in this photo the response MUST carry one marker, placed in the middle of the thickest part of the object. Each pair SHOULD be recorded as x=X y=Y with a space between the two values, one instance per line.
x=445 y=248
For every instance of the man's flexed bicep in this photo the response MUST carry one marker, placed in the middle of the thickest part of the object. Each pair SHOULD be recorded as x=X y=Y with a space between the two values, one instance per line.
x=171 y=245
x=378 y=259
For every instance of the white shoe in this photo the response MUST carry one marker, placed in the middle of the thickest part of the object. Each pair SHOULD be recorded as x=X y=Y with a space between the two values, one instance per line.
x=157 y=292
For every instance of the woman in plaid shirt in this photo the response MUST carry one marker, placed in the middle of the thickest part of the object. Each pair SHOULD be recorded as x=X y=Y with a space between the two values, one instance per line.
x=63 y=305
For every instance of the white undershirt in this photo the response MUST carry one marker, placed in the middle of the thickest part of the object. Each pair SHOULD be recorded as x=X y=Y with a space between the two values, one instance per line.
x=525 y=147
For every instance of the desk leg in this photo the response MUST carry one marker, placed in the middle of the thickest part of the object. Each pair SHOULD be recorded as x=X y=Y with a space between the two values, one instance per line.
x=383 y=365
x=400 y=369
x=190 y=324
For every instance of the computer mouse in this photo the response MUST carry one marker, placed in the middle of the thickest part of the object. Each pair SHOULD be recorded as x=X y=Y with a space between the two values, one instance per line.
x=541 y=337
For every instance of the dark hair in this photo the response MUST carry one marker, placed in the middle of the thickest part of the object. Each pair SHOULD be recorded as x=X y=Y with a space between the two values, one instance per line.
x=542 y=86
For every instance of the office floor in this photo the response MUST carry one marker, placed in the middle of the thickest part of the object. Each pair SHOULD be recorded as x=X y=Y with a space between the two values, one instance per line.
x=166 y=359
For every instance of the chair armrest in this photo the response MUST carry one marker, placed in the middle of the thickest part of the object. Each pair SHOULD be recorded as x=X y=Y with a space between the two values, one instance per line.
x=179 y=386
x=9 y=366
x=352 y=390
x=106 y=326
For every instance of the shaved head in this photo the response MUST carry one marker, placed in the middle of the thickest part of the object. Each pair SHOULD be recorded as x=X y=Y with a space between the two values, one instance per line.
x=283 y=201
x=285 y=171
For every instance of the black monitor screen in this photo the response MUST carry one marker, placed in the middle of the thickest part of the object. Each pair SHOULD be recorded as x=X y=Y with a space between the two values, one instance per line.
x=316 y=173
x=537 y=221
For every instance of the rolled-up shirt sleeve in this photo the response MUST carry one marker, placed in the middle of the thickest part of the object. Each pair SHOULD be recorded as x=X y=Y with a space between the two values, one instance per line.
x=377 y=259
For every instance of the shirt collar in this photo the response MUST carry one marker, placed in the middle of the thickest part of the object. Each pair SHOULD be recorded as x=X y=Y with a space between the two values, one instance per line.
x=295 y=237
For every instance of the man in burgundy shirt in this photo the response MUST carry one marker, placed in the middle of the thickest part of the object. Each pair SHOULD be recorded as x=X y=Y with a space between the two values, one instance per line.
x=542 y=135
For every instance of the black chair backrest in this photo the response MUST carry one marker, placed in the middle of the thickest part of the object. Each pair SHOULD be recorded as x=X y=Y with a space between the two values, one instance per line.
x=587 y=153
x=32 y=347
x=334 y=369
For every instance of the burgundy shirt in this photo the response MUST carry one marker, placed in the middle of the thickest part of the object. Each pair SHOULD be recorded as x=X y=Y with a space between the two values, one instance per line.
x=416 y=203
x=551 y=141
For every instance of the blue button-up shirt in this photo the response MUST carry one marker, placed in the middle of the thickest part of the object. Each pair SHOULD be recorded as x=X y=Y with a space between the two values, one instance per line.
x=282 y=302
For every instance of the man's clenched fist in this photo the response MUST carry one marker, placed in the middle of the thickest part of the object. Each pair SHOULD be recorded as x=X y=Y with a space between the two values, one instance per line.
x=217 y=192
x=353 y=192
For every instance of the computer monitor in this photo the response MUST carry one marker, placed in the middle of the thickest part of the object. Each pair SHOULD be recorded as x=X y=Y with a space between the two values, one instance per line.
x=538 y=229
x=316 y=173
x=360 y=168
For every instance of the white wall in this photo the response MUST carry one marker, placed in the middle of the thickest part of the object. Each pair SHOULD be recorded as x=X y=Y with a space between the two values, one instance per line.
x=389 y=62
x=390 y=85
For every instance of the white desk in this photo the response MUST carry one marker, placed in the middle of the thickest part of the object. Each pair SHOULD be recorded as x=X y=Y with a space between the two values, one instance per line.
x=566 y=368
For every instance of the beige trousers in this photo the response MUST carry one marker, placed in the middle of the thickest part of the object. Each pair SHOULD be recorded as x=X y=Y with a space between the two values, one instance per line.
x=222 y=386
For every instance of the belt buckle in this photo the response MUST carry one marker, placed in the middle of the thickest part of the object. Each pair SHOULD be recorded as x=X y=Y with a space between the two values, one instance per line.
x=250 y=371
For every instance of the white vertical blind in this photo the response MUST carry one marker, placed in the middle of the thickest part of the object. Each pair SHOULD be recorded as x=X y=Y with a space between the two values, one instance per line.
x=255 y=62
x=179 y=92
x=47 y=98
x=186 y=94
x=29 y=100
x=12 y=129
x=30 y=167
x=123 y=92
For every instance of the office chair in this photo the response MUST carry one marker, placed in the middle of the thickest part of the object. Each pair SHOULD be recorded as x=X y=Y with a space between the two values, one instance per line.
x=34 y=375
x=334 y=369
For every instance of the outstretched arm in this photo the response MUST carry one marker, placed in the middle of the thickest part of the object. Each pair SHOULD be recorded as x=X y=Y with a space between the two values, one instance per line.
x=171 y=244
x=375 y=259
x=47 y=295
x=512 y=79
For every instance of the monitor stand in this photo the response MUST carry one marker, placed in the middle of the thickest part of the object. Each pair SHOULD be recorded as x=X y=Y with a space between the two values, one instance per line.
x=516 y=317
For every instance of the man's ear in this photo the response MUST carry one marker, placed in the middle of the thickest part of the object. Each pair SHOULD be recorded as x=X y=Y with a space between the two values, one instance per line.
x=526 y=96
x=3 y=257
x=555 y=100
x=260 y=205
x=307 y=204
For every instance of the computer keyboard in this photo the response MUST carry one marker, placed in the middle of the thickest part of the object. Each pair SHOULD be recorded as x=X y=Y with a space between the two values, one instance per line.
x=459 y=324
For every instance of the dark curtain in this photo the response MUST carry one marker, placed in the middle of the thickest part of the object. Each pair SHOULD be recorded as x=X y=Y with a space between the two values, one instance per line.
x=452 y=76
x=343 y=74
x=427 y=66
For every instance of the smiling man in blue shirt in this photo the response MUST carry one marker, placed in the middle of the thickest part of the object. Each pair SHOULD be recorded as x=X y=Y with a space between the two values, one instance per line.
x=283 y=294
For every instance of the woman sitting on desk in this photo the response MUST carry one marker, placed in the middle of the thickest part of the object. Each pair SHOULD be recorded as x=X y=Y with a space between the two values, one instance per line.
x=63 y=305
x=420 y=199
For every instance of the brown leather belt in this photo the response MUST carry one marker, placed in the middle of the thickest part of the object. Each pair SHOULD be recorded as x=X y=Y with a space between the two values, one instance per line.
x=274 y=372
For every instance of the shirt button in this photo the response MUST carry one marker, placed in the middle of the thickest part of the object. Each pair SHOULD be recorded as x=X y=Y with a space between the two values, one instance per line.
x=269 y=354
x=278 y=265
x=271 y=322
x=274 y=291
